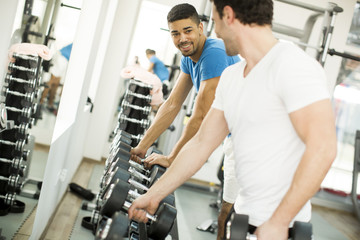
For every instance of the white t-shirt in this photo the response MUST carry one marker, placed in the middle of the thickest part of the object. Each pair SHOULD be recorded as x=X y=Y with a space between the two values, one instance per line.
x=266 y=147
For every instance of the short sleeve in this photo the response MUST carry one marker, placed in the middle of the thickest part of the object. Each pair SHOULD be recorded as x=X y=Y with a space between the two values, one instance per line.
x=184 y=65
x=213 y=63
x=302 y=84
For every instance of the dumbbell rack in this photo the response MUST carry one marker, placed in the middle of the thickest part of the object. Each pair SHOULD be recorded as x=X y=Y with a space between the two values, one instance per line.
x=135 y=110
x=18 y=96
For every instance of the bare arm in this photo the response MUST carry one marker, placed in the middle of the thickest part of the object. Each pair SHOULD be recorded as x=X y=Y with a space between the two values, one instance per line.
x=203 y=103
x=166 y=114
x=190 y=159
x=315 y=125
x=151 y=67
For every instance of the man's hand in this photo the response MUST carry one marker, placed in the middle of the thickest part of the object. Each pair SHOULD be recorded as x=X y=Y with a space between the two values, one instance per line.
x=142 y=205
x=159 y=159
x=272 y=231
x=137 y=154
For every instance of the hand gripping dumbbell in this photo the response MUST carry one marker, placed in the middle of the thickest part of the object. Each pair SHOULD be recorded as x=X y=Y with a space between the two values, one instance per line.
x=144 y=123
x=236 y=228
x=20 y=85
x=114 y=228
x=160 y=223
x=10 y=184
x=12 y=167
x=151 y=175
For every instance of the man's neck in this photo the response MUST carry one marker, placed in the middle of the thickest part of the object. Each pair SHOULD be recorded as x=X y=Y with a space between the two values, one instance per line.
x=258 y=43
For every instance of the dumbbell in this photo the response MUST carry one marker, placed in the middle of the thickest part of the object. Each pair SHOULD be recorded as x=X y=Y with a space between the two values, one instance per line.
x=29 y=58
x=14 y=67
x=236 y=228
x=114 y=228
x=28 y=85
x=17 y=146
x=20 y=115
x=17 y=99
x=129 y=95
x=119 y=144
x=146 y=109
x=151 y=175
x=8 y=198
x=16 y=133
x=91 y=222
x=140 y=84
x=143 y=122
x=161 y=223
x=120 y=135
x=10 y=184
x=14 y=166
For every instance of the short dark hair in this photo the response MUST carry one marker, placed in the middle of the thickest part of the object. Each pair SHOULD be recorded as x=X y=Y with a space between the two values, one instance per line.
x=183 y=11
x=150 y=51
x=259 y=12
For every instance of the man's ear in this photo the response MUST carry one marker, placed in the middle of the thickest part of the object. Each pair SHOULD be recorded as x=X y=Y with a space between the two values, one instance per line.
x=228 y=14
x=201 y=28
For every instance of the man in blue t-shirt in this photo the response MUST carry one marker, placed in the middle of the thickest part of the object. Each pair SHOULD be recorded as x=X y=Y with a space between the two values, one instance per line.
x=203 y=61
x=158 y=68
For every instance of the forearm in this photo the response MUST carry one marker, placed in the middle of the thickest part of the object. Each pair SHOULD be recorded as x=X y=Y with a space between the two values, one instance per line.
x=310 y=173
x=190 y=130
x=164 y=117
x=183 y=168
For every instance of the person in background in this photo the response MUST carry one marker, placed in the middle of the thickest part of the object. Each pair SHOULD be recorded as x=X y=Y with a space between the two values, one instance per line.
x=57 y=75
x=159 y=69
x=276 y=104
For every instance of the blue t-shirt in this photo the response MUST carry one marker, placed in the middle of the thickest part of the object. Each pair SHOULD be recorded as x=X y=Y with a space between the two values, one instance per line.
x=66 y=51
x=159 y=68
x=212 y=62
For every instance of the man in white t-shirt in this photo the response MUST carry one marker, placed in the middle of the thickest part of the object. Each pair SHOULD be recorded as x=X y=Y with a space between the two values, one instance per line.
x=276 y=104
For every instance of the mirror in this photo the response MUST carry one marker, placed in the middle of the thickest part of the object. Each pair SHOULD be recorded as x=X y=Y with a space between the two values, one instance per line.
x=31 y=95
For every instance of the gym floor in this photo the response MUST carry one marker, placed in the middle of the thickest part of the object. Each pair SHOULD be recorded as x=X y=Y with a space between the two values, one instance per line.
x=192 y=202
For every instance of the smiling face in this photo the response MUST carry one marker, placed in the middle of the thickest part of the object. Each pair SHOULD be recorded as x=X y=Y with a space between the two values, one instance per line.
x=186 y=35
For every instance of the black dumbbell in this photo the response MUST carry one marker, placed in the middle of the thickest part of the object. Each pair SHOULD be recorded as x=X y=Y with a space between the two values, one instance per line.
x=120 y=144
x=28 y=97
x=10 y=184
x=144 y=123
x=17 y=146
x=22 y=115
x=91 y=222
x=160 y=223
x=121 y=136
x=33 y=60
x=14 y=67
x=139 y=83
x=154 y=174
x=129 y=95
x=114 y=228
x=8 y=198
x=10 y=167
x=236 y=228
x=26 y=85
x=16 y=133
x=146 y=109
